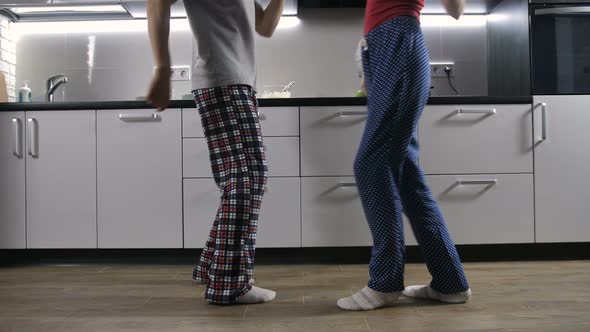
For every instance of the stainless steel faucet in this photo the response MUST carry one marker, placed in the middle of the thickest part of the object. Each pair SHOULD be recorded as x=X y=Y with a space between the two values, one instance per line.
x=52 y=84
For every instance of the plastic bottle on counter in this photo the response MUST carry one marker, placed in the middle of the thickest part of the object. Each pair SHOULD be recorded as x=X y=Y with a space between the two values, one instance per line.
x=24 y=94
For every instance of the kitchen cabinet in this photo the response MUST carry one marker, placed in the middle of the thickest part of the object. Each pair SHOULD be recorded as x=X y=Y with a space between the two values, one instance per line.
x=82 y=2
x=486 y=209
x=8 y=3
x=282 y=155
x=476 y=139
x=139 y=179
x=61 y=179
x=280 y=217
x=12 y=180
x=330 y=137
x=561 y=168
x=275 y=122
x=332 y=214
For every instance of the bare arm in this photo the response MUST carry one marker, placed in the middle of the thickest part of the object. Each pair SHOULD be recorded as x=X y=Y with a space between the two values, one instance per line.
x=268 y=19
x=158 y=16
x=454 y=8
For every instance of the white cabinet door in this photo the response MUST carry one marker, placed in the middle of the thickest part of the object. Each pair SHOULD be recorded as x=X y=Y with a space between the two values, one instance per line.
x=561 y=169
x=61 y=179
x=486 y=209
x=332 y=214
x=330 y=137
x=275 y=121
x=280 y=215
x=279 y=121
x=139 y=179
x=12 y=180
x=476 y=139
x=282 y=154
x=201 y=201
x=279 y=224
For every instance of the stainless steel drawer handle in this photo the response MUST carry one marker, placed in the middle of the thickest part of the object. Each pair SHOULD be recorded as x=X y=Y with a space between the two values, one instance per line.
x=573 y=10
x=351 y=113
x=139 y=117
x=18 y=142
x=346 y=185
x=544 y=122
x=32 y=128
x=477 y=182
x=468 y=111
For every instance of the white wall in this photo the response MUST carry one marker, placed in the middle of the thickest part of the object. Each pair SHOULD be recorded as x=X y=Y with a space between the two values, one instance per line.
x=7 y=56
x=317 y=54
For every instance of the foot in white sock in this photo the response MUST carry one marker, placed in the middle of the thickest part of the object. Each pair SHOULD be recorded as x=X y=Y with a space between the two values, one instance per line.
x=368 y=299
x=426 y=292
x=257 y=295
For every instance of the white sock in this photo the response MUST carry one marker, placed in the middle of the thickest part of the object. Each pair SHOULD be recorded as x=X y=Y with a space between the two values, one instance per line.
x=368 y=299
x=257 y=295
x=426 y=292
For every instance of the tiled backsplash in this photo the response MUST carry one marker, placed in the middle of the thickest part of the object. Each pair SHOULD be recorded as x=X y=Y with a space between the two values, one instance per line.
x=8 y=56
x=317 y=54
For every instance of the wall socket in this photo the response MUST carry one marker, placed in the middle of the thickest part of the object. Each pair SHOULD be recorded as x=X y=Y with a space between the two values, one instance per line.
x=437 y=69
x=180 y=73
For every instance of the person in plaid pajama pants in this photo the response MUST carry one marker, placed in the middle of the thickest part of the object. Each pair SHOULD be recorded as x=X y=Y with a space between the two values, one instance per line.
x=230 y=122
x=223 y=77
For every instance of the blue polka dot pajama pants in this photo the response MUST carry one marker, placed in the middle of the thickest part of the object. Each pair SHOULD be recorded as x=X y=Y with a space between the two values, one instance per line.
x=389 y=179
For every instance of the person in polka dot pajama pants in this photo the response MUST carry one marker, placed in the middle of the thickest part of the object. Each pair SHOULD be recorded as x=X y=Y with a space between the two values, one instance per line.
x=389 y=178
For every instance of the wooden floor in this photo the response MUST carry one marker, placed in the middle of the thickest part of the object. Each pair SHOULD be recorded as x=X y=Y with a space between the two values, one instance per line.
x=536 y=297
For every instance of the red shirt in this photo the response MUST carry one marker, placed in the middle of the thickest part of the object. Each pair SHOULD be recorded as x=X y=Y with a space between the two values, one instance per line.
x=381 y=11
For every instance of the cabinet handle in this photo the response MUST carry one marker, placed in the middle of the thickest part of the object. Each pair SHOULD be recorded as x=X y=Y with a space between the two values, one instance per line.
x=563 y=10
x=18 y=143
x=33 y=149
x=544 y=122
x=351 y=113
x=346 y=185
x=467 y=111
x=139 y=117
x=492 y=182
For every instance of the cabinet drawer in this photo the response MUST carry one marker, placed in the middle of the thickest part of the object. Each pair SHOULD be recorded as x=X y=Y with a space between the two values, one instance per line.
x=279 y=224
x=282 y=154
x=275 y=121
x=481 y=212
x=476 y=139
x=330 y=137
x=332 y=214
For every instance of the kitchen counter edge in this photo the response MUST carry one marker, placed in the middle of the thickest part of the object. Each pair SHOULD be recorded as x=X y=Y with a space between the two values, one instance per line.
x=293 y=102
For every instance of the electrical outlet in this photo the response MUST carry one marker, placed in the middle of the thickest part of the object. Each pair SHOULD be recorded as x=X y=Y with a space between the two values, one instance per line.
x=180 y=73
x=438 y=69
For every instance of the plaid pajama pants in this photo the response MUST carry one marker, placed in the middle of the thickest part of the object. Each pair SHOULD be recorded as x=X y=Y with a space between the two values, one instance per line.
x=230 y=121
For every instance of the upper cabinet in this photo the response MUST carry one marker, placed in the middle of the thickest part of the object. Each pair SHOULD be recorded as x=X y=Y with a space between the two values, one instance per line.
x=138 y=8
x=431 y=6
x=63 y=10
x=9 y=3
x=79 y=2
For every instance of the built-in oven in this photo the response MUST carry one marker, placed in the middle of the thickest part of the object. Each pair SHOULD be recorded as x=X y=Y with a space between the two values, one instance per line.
x=560 y=47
